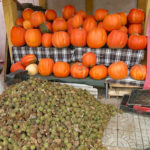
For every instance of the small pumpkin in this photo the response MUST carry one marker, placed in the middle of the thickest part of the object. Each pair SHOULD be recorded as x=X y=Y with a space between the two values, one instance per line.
x=100 y=14
x=118 y=70
x=60 y=39
x=61 y=69
x=26 y=14
x=18 y=36
x=50 y=14
x=16 y=66
x=46 y=27
x=135 y=28
x=136 y=16
x=69 y=25
x=28 y=59
x=47 y=40
x=89 y=59
x=59 y=24
x=37 y=18
x=123 y=18
x=97 y=38
x=33 y=37
x=82 y=13
x=78 y=37
x=45 y=66
x=112 y=22
x=78 y=70
x=19 y=21
x=137 y=42
x=124 y=29
x=32 y=69
x=98 y=72
x=138 y=72
x=77 y=21
x=117 y=39
x=27 y=24
x=68 y=11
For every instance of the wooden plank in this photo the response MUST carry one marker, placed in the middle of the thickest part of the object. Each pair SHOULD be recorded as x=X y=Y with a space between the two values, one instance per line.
x=6 y=57
x=122 y=85
x=89 y=6
x=10 y=14
x=42 y=3
x=142 y=4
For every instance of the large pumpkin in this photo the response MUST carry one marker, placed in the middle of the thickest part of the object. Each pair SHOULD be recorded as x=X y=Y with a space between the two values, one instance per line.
x=100 y=14
x=136 y=16
x=77 y=21
x=82 y=13
x=37 y=18
x=45 y=66
x=138 y=72
x=78 y=70
x=89 y=59
x=135 y=28
x=60 y=39
x=27 y=24
x=96 y=38
x=117 y=39
x=89 y=24
x=33 y=37
x=16 y=66
x=26 y=14
x=112 y=22
x=59 y=24
x=98 y=72
x=78 y=37
x=123 y=18
x=68 y=11
x=17 y=36
x=46 y=27
x=118 y=70
x=19 y=21
x=137 y=42
x=50 y=14
x=61 y=69
x=47 y=40
x=28 y=59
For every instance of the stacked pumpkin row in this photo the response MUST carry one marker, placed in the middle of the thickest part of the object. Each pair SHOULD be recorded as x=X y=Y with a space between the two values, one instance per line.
x=76 y=28
x=46 y=66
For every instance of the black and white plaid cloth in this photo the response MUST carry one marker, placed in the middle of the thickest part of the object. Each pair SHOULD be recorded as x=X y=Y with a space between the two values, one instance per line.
x=104 y=56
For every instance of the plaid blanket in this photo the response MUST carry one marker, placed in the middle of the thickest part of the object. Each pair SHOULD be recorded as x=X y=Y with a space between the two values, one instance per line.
x=104 y=56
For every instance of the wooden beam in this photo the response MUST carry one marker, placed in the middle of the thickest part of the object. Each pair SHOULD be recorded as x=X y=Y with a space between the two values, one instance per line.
x=142 y=4
x=89 y=6
x=10 y=15
x=42 y=3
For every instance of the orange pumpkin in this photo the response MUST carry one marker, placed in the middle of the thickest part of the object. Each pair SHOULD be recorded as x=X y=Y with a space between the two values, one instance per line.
x=78 y=70
x=27 y=24
x=138 y=72
x=19 y=21
x=47 y=40
x=78 y=37
x=45 y=66
x=82 y=13
x=100 y=14
x=60 y=39
x=46 y=27
x=118 y=70
x=96 y=38
x=117 y=39
x=77 y=21
x=37 y=18
x=136 y=16
x=100 y=25
x=26 y=14
x=18 y=36
x=59 y=24
x=112 y=22
x=33 y=37
x=123 y=18
x=69 y=25
x=124 y=29
x=98 y=72
x=135 y=28
x=61 y=69
x=50 y=14
x=137 y=42
x=68 y=11
x=89 y=24
x=89 y=59
x=28 y=59
x=16 y=66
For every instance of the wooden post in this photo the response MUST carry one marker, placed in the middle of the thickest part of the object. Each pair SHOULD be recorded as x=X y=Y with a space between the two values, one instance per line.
x=10 y=14
x=42 y=3
x=89 y=6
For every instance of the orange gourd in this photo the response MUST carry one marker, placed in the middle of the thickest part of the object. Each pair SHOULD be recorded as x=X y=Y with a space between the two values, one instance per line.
x=100 y=14
x=16 y=66
x=50 y=14
x=47 y=40
x=26 y=14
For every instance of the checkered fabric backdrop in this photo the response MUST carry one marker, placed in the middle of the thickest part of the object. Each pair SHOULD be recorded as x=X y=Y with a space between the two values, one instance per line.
x=104 y=56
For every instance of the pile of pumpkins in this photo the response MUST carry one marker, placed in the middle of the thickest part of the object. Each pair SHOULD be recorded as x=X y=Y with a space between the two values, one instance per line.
x=80 y=70
x=36 y=28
